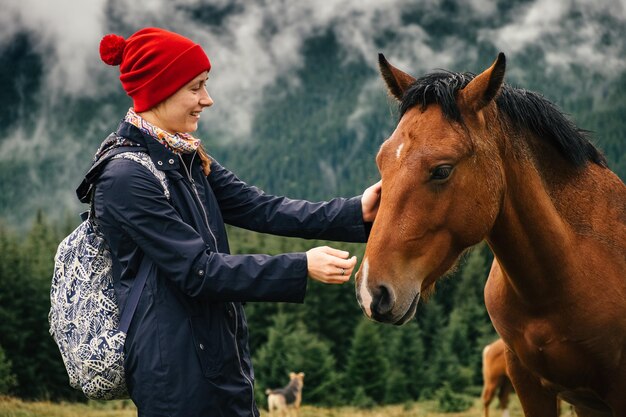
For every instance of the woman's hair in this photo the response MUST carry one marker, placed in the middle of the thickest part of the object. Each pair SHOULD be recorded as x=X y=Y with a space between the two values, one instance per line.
x=205 y=160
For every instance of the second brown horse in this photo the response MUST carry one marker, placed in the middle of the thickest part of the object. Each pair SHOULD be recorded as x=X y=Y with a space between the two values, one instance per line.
x=495 y=378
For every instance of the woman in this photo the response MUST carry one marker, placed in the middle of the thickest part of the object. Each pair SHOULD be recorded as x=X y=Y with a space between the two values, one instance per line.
x=187 y=348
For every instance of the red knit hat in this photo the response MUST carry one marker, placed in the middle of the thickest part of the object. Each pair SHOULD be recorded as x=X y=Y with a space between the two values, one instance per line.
x=154 y=64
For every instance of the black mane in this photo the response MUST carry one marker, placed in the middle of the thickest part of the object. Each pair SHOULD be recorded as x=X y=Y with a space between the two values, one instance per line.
x=524 y=109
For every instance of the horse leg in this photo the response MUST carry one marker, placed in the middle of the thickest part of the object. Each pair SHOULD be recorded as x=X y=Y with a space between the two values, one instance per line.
x=489 y=389
x=535 y=399
x=503 y=396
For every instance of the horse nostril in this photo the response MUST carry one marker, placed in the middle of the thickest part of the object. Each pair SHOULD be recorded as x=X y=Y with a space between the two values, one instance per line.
x=383 y=300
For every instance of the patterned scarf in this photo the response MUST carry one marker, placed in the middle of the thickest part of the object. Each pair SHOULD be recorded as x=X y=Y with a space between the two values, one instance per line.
x=177 y=142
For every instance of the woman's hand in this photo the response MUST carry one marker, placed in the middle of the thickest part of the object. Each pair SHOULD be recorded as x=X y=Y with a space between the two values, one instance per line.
x=370 y=201
x=330 y=266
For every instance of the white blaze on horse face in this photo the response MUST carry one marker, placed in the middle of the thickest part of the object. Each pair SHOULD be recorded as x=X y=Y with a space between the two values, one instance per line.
x=366 y=297
x=399 y=150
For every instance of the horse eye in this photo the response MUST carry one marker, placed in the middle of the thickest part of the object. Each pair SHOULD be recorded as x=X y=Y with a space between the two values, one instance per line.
x=441 y=172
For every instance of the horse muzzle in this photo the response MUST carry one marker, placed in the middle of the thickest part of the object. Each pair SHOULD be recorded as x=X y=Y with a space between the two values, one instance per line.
x=380 y=301
x=387 y=311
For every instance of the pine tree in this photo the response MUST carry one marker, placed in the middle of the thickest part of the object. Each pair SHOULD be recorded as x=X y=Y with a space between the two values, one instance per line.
x=25 y=294
x=292 y=348
x=473 y=274
x=46 y=374
x=7 y=378
x=396 y=390
x=333 y=313
x=271 y=363
x=11 y=292
x=15 y=303
x=311 y=355
x=406 y=359
x=367 y=364
x=473 y=325
x=431 y=321
x=456 y=352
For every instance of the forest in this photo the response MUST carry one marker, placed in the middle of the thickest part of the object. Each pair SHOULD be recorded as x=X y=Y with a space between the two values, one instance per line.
x=347 y=359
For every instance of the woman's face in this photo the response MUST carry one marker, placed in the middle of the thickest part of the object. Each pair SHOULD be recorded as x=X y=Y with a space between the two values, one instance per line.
x=181 y=111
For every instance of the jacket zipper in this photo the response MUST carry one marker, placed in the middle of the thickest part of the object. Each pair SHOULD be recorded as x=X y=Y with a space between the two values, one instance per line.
x=239 y=359
x=195 y=190
x=206 y=219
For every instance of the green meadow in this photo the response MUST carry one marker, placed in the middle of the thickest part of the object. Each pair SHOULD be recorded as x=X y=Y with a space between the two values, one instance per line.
x=12 y=407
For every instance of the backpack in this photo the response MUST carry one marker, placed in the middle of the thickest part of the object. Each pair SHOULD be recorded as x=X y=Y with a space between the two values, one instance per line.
x=84 y=318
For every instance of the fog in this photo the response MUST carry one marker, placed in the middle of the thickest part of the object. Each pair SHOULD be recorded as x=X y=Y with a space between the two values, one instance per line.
x=254 y=44
x=259 y=41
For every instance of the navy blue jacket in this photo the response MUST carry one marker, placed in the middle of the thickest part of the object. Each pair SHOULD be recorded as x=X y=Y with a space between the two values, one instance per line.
x=187 y=348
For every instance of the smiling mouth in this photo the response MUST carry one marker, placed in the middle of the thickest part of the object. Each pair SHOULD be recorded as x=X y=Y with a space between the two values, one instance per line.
x=196 y=114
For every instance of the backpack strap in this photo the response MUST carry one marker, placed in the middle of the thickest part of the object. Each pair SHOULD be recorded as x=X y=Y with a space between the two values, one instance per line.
x=144 y=159
x=85 y=189
x=85 y=193
x=144 y=269
x=135 y=294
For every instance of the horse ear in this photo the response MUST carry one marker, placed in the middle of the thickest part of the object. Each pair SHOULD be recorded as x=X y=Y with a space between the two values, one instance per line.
x=486 y=86
x=397 y=81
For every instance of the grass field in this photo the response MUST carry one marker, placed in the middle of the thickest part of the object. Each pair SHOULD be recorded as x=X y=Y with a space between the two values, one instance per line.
x=12 y=407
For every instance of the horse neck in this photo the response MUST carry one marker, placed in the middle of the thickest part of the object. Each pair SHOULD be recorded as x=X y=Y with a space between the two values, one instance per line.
x=547 y=208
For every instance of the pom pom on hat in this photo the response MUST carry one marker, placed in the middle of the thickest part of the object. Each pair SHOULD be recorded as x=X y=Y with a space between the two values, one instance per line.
x=112 y=49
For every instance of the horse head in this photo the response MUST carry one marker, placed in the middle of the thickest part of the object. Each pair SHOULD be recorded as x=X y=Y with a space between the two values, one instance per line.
x=442 y=186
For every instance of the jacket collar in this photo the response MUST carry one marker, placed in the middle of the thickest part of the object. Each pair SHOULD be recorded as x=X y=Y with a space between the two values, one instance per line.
x=163 y=158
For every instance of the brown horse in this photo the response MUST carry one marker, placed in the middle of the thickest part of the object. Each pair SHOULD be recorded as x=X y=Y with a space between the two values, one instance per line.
x=471 y=159
x=495 y=377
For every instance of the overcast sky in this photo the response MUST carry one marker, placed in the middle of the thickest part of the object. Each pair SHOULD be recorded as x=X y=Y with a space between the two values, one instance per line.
x=261 y=40
x=247 y=57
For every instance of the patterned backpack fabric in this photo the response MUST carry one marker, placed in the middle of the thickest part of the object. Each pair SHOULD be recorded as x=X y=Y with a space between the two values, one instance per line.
x=84 y=318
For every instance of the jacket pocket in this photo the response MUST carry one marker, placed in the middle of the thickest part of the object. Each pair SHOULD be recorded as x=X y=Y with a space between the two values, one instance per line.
x=208 y=346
